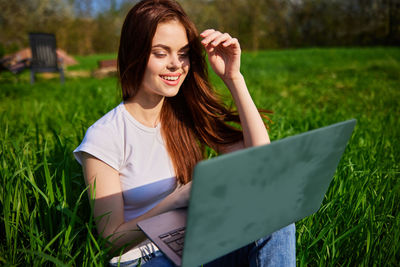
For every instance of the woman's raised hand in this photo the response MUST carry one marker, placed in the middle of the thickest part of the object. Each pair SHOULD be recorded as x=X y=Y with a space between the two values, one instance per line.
x=223 y=54
x=180 y=197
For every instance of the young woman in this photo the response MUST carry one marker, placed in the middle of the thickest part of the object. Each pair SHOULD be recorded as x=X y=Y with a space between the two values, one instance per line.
x=138 y=158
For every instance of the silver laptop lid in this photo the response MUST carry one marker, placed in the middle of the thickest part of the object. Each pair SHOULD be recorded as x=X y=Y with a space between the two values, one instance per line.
x=239 y=197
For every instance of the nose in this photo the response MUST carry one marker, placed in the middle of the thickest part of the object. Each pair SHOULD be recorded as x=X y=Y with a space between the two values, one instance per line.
x=174 y=63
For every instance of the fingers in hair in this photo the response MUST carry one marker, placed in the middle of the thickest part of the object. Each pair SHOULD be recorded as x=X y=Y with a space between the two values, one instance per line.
x=211 y=37
x=205 y=33
x=222 y=38
x=231 y=41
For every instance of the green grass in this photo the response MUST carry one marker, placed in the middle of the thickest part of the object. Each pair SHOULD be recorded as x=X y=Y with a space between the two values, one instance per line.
x=90 y=62
x=45 y=215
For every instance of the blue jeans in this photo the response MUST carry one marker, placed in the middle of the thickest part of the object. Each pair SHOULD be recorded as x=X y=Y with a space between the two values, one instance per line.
x=278 y=249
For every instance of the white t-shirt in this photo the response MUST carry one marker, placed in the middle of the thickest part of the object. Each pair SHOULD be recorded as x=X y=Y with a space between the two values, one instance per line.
x=138 y=153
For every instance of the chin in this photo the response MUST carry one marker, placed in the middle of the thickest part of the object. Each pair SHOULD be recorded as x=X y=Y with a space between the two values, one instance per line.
x=172 y=94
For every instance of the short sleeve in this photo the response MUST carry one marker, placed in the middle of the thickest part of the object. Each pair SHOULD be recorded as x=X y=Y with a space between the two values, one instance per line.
x=103 y=143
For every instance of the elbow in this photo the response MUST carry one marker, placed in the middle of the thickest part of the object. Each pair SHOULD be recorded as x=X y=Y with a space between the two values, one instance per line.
x=118 y=239
x=113 y=242
x=109 y=235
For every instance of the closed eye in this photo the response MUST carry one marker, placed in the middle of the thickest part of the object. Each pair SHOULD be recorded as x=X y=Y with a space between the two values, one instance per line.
x=159 y=54
x=183 y=55
x=184 y=52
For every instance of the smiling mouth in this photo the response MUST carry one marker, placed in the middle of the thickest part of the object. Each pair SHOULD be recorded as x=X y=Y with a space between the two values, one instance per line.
x=170 y=78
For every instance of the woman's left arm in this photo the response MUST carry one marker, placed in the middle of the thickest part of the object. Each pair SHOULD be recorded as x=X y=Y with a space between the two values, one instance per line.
x=224 y=57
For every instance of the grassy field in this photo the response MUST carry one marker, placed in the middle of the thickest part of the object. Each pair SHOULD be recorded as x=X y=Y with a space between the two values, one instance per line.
x=45 y=215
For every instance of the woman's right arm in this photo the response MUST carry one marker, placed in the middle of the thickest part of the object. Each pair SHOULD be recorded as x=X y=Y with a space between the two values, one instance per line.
x=105 y=189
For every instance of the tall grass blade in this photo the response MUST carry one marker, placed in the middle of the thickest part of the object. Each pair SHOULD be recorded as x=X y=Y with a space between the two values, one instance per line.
x=45 y=256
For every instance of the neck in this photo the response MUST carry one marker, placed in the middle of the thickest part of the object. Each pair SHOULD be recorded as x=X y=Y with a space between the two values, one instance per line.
x=145 y=110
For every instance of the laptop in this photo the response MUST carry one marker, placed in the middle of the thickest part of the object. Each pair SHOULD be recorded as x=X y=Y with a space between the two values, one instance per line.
x=239 y=197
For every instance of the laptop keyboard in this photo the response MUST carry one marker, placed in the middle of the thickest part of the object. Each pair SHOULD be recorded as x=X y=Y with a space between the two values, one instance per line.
x=174 y=240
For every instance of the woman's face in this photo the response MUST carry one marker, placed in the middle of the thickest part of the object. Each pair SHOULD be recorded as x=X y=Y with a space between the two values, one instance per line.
x=168 y=63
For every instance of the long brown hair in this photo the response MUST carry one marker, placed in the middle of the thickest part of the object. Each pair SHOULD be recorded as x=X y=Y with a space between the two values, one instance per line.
x=196 y=116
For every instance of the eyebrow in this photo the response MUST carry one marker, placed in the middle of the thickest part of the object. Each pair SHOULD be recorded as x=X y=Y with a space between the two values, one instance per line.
x=169 y=48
